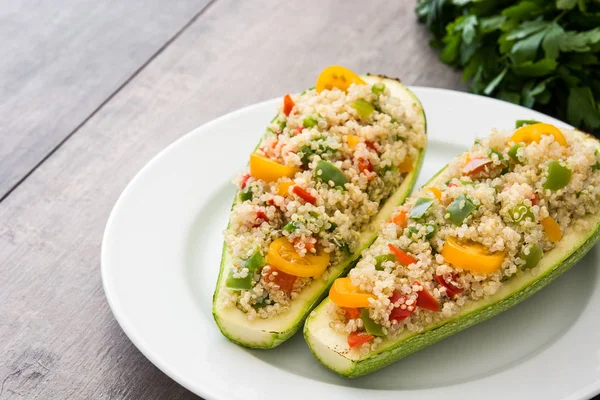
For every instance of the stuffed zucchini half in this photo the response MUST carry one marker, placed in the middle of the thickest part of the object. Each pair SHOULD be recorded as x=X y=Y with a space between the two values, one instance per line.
x=497 y=224
x=333 y=165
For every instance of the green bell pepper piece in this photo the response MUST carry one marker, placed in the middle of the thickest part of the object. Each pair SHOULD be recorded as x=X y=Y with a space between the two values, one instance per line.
x=372 y=327
x=246 y=195
x=378 y=88
x=460 y=209
x=379 y=260
x=310 y=122
x=290 y=227
x=513 y=152
x=521 y=122
x=326 y=172
x=533 y=257
x=363 y=108
x=520 y=213
x=431 y=230
x=558 y=176
x=420 y=208
x=254 y=263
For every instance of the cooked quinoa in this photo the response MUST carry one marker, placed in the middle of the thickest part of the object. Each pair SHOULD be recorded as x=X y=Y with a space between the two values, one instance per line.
x=499 y=197
x=364 y=134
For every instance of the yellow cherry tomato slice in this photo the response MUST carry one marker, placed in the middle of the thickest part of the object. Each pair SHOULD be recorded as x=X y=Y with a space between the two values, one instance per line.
x=268 y=170
x=345 y=294
x=337 y=77
x=283 y=188
x=552 y=229
x=353 y=140
x=471 y=256
x=283 y=256
x=533 y=133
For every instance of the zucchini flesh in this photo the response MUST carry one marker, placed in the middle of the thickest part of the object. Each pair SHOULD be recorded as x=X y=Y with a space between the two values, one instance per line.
x=331 y=348
x=270 y=332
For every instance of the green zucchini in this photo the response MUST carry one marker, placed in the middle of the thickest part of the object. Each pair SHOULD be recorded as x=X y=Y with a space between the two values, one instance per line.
x=270 y=332
x=331 y=348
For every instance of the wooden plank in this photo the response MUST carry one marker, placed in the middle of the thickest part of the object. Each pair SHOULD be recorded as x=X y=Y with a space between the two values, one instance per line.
x=61 y=60
x=52 y=305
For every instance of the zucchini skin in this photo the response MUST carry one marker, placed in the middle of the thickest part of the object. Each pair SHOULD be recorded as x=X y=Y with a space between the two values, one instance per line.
x=273 y=338
x=391 y=352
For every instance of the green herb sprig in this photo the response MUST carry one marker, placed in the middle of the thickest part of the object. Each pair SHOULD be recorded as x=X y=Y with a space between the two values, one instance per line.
x=542 y=54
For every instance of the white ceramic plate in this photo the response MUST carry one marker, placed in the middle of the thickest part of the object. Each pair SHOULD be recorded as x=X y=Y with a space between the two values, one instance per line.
x=160 y=259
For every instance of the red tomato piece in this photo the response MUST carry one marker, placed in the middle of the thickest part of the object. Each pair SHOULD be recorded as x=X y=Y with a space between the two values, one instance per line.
x=451 y=289
x=476 y=165
x=534 y=199
x=358 y=338
x=452 y=184
x=426 y=301
x=281 y=279
x=372 y=146
x=352 y=313
x=244 y=181
x=364 y=166
x=403 y=257
x=304 y=195
x=288 y=104
x=399 y=313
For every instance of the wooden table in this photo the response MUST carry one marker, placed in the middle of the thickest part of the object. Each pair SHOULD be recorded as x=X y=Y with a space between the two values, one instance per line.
x=90 y=91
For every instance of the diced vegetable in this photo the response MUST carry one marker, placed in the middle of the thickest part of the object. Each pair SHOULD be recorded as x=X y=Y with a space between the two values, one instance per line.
x=476 y=166
x=337 y=77
x=471 y=256
x=451 y=289
x=371 y=326
x=351 y=312
x=402 y=257
x=281 y=279
x=558 y=176
x=246 y=195
x=430 y=228
x=552 y=229
x=304 y=195
x=356 y=339
x=268 y=170
x=460 y=209
x=378 y=88
x=244 y=181
x=288 y=104
x=405 y=166
x=534 y=133
x=379 y=260
x=283 y=189
x=426 y=301
x=363 y=108
x=353 y=140
x=521 y=122
x=254 y=263
x=283 y=256
x=513 y=152
x=399 y=313
x=345 y=294
x=520 y=213
x=290 y=227
x=365 y=166
x=400 y=219
x=327 y=172
x=437 y=193
x=420 y=208
x=531 y=256
x=310 y=122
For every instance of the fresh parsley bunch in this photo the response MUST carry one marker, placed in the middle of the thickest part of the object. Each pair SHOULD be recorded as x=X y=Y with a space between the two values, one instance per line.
x=542 y=54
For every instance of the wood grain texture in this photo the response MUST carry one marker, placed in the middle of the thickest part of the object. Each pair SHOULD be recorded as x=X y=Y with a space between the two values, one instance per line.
x=58 y=338
x=60 y=60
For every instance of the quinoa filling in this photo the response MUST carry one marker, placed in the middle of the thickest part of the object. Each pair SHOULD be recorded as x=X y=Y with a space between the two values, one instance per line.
x=493 y=214
x=330 y=159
